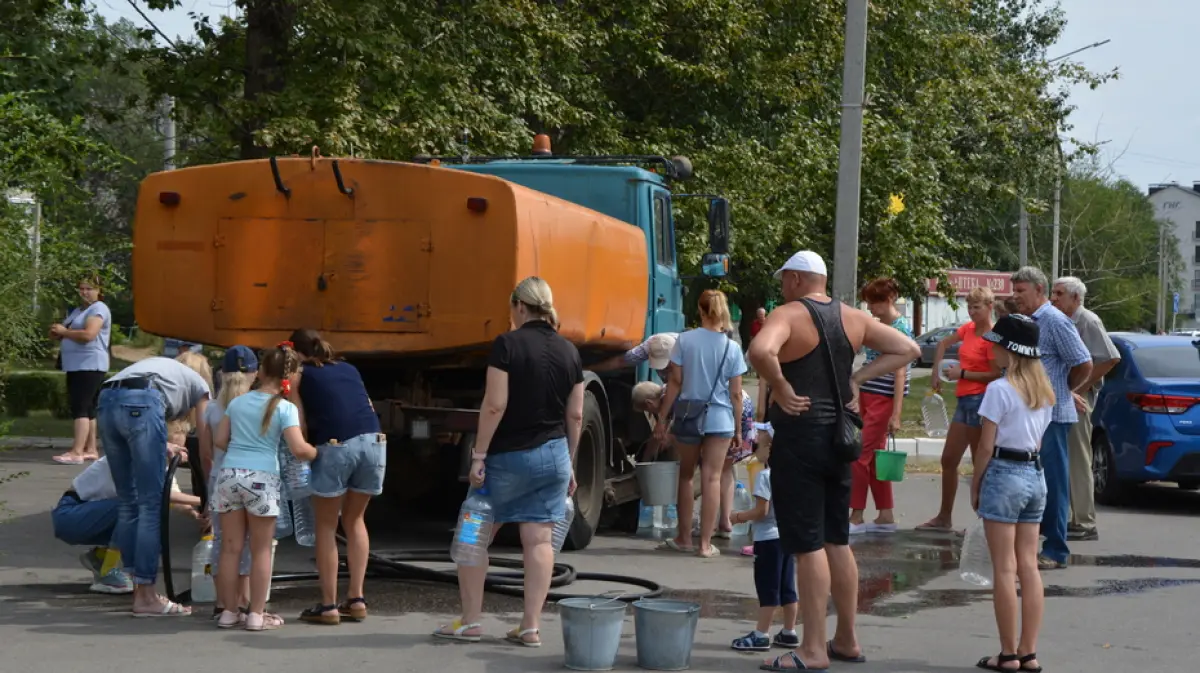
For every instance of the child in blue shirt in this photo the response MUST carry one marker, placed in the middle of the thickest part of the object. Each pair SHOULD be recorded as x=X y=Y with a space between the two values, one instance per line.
x=248 y=485
x=774 y=574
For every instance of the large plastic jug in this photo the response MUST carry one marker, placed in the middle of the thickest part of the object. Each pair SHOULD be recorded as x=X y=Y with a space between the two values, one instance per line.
x=203 y=588
x=562 y=527
x=933 y=412
x=305 y=521
x=975 y=562
x=473 y=533
x=742 y=501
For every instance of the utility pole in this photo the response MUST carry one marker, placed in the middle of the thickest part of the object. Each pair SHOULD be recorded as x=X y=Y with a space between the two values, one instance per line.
x=854 y=73
x=168 y=134
x=37 y=251
x=1024 y=235
x=1057 y=207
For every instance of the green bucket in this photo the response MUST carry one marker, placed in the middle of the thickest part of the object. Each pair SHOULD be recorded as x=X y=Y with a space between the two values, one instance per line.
x=889 y=465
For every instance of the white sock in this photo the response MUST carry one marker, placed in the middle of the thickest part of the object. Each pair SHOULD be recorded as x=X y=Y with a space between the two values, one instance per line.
x=788 y=632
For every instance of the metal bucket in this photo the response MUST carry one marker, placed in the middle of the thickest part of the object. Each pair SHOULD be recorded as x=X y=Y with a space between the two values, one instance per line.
x=665 y=632
x=658 y=482
x=591 y=632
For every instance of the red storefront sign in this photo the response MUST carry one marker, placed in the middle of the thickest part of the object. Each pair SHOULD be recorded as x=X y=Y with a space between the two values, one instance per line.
x=999 y=282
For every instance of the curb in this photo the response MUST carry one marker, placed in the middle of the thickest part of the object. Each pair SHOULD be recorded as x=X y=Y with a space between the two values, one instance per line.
x=35 y=442
x=921 y=450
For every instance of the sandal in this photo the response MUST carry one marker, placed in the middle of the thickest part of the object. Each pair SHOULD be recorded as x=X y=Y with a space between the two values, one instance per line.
x=354 y=609
x=1029 y=658
x=776 y=664
x=1046 y=563
x=217 y=612
x=167 y=609
x=263 y=622
x=230 y=620
x=933 y=526
x=456 y=630
x=518 y=634
x=316 y=615
x=68 y=459
x=671 y=545
x=712 y=552
x=838 y=656
x=1001 y=659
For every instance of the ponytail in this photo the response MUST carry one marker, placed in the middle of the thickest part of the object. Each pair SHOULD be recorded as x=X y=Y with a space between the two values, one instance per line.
x=535 y=294
x=278 y=364
x=714 y=306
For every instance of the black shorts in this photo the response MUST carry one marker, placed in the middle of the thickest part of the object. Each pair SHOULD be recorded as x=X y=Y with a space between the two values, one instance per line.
x=774 y=574
x=810 y=488
x=83 y=390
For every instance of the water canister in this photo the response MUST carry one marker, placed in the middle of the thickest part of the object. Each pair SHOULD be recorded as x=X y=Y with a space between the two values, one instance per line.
x=203 y=588
x=305 y=522
x=670 y=518
x=295 y=474
x=975 y=561
x=742 y=501
x=933 y=412
x=563 y=526
x=283 y=522
x=473 y=533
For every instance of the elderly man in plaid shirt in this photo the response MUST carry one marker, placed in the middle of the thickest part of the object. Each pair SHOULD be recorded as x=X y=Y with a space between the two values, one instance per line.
x=1069 y=364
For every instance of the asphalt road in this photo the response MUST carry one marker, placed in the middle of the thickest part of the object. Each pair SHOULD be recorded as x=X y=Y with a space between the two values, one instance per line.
x=1127 y=603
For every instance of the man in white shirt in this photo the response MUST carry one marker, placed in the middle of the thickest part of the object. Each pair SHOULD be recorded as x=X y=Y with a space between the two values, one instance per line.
x=87 y=515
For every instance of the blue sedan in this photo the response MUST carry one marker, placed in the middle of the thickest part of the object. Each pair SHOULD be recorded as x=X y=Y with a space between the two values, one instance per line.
x=1147 y=416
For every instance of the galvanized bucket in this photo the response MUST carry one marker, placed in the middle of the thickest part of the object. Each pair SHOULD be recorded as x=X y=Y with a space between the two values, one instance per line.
x=591 y=632
x=658 y=482
x=665 y=632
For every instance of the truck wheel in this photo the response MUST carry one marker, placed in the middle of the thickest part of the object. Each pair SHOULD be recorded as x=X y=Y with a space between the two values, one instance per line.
x=590 y=472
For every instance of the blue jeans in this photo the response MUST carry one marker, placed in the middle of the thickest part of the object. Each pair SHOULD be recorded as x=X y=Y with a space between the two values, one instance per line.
x=133 y=428
x=85 y=523
x=1058 y=491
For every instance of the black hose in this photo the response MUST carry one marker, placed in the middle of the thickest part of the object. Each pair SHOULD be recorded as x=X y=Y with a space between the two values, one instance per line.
x=401 y=566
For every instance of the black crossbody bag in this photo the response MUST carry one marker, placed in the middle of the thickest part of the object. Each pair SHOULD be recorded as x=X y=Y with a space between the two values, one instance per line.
x=690 y=413
x=847 y=439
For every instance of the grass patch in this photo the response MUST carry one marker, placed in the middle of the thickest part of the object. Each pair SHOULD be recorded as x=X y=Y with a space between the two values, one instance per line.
x=38 y=424
x=911 y=423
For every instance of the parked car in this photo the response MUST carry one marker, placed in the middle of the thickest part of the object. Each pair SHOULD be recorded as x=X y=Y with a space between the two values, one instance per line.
x=929 y=342
x=1146 y=425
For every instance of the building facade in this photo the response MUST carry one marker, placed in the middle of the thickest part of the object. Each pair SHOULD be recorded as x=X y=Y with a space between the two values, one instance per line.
x=1179 y=207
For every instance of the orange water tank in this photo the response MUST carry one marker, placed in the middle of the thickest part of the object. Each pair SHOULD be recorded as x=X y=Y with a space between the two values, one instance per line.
x=415 y=259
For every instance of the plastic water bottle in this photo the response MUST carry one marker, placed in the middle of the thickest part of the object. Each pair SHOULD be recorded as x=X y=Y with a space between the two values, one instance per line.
x=742 y=501
x=283 y=522
x=296 y=474
x=645 y=516
x=975 y=562
x=305 y=522
x=933 y=412
x=563 y=526
x=203 y=588
x=474 y=531
x=670 y=518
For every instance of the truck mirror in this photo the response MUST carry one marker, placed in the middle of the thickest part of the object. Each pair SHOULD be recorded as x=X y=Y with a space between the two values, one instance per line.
x=718 y=225
x=714 y=265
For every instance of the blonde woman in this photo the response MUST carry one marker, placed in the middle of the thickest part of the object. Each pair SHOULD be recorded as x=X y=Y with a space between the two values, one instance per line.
x=1009 y=487
x=529 y=429
x=238 y=371
x=976 y=368
x=706 y=377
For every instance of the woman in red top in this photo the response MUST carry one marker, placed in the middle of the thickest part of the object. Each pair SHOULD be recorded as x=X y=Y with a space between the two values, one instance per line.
x=977 y=368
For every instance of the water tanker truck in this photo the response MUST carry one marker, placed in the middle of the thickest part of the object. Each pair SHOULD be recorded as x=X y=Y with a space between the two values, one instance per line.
x=407 y=269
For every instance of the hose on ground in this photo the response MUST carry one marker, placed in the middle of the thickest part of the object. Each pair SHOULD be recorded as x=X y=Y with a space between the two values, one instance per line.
x=402 y=566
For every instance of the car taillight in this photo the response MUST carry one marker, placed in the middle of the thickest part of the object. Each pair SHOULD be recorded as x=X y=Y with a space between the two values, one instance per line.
x=1152 y=450
x=1152 y=403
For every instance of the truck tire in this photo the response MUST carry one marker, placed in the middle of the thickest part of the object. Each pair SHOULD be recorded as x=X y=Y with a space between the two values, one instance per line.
x=590 y=473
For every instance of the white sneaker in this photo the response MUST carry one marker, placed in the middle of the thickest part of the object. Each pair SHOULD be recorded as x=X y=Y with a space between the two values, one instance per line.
x=115 y=582
x=858 y=528
x=882 y=527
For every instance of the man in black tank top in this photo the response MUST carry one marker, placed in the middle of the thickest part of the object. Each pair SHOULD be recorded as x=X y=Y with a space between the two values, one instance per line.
x=810 y=483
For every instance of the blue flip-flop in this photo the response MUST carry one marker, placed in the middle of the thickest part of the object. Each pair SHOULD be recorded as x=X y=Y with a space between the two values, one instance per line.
x=798 y=664
x=838 y=656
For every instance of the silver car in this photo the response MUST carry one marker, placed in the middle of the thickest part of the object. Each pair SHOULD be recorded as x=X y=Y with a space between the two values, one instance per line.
x=929 y=342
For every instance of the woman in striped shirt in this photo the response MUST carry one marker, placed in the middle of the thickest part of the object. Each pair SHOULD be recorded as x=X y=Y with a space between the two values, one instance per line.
x=880 y=402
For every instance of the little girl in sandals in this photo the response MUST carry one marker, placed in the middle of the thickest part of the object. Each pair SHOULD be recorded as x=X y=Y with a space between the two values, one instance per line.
x=1009 y=489
x=248 y=485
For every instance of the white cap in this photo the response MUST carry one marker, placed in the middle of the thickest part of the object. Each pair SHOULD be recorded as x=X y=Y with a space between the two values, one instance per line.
x=806 y=261
x=659 y=348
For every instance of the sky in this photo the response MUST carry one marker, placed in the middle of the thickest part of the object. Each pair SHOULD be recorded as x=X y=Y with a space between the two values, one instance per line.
x=1148 y=120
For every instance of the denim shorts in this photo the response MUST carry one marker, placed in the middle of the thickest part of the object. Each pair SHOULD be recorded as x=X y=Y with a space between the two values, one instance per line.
x=357 y=464
x=529 y=486
x=696 y=441
x=1012 y=492
x=967 y=411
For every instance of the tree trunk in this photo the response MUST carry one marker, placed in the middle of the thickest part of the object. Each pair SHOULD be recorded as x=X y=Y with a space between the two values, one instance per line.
x=270 y=25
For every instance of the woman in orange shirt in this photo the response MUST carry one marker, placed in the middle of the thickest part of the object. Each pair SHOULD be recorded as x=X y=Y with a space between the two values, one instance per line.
x=976 y=369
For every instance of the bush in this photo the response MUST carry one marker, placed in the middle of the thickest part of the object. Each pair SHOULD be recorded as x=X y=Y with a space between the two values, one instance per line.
x=29 y=391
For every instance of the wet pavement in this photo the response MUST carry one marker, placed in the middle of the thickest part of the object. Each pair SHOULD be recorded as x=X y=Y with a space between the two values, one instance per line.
x=1128 y=600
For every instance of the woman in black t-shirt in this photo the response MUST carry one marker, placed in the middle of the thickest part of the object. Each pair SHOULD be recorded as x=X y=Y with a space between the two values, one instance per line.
x=529 y=429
